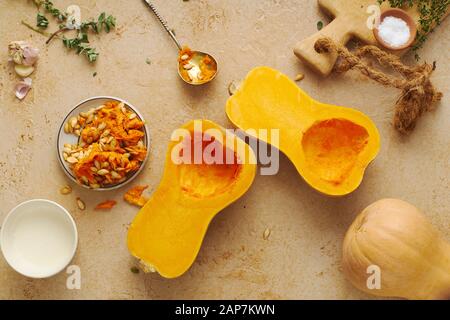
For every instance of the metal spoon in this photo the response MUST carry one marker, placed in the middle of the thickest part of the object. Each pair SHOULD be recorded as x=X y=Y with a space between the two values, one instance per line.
x=194 y=67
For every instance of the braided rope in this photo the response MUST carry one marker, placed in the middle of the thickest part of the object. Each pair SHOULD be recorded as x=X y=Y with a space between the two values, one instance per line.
x=418 y=94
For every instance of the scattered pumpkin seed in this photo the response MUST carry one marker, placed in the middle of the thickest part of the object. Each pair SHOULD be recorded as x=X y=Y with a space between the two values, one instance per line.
x=80 y=203
x=233 y=86
x=299 y=77
x=65 y=190
x=266 y=234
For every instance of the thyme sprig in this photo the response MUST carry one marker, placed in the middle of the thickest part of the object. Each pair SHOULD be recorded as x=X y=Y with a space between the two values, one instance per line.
x=103 y=22
x=49 y=7
x=81 y=45
x=81 y=42
x=431 y=13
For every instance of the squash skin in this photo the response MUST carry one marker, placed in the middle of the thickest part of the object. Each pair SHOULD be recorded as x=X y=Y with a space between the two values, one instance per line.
x=167 y=233
x=267 y=99
x=412 y=255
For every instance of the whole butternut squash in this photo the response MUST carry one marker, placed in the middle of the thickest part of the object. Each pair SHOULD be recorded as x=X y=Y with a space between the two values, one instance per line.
x=412 y=257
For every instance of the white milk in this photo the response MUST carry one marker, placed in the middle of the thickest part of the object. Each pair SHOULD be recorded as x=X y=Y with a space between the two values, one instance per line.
x=39 y=240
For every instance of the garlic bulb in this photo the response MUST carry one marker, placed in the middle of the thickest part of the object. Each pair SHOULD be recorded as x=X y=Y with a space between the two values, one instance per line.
x=15 y=51
x=22 y=53
x=396 y=239
x=22 y=88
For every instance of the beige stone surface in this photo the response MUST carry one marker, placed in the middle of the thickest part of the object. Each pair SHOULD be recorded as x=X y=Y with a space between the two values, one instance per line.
x=301 y=258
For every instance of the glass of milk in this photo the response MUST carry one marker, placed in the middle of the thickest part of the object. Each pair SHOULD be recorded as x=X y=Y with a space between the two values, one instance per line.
x=38 y=238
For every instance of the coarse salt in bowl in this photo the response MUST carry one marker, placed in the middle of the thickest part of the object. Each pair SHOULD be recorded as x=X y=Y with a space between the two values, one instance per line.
x=396 y=29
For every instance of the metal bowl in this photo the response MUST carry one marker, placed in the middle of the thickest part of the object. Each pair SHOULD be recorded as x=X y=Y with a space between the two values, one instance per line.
x=64 y=138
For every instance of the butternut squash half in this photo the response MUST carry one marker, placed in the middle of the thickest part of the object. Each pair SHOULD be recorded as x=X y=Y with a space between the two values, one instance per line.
x=167 y=233
x=330 y=146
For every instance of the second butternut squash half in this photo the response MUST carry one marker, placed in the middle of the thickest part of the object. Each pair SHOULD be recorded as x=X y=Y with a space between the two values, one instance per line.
x=330 y=146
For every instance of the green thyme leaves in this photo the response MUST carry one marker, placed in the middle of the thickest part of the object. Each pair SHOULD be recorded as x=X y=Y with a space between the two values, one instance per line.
x=103 y=23
x=319 y=25
x=41 y=21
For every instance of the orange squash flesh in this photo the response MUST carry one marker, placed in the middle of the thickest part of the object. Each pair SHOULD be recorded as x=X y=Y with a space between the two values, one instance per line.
x=167 y=233
x=330 y=146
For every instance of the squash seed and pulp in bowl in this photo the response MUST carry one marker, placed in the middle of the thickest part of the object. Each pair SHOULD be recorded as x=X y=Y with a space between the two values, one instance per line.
x=103 y=143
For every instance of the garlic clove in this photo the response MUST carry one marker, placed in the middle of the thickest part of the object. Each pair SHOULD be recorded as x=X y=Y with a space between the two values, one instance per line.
x=30 y=55
x=23 y=70
x=73 y=17
x=22 y=88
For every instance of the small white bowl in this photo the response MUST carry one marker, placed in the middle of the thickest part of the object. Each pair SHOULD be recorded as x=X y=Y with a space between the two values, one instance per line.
x=38 y=238
x=63 y=138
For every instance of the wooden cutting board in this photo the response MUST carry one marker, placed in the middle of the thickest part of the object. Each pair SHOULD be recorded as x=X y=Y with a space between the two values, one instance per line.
x=350 y=21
